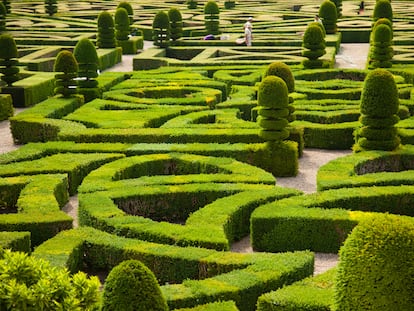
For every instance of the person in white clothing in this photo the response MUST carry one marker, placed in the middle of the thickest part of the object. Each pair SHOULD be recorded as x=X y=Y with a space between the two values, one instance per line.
x=248 y=27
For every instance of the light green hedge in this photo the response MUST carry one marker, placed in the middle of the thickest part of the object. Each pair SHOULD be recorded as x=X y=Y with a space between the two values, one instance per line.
x=6 y=107
x=16 y=241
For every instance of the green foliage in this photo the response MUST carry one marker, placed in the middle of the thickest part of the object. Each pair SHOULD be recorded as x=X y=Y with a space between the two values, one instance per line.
x=273 y=93
x=161 y=29
x=211 y=8
x=3 y=12
x=375 y=271
x=283 y=71
x=382 y=9
x=338 y=4
x=314 y=46
x=7 y=5
x=211 y=18
x=328 y=14
x=6 y=106
x=383 y=21
x=121 y=24
x=192 y=4
x=382 y=34
x=127 y=6
x=67 y=66
x=8 y=65
x=176 y=23
x=8 y=48
x=229 y=4
x=132 y=286
x=381 y=51
x=28 y=283
x=106 y=31
x=51 y=7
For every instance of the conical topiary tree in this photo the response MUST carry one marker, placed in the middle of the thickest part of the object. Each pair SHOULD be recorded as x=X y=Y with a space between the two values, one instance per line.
x=131 y=286
x=176 y=23
x=161 y=29
x=7 y=5
x=283 y=71
x=88 y=62
x=273 y=111
x=381 y=51
x=313 y=46
x=379 y=107
x=8 y=59
x=382 y=9
x=106 y=31
x=338 y=4
x=3 y=13
x=66 y=68
x=51 y=7
x=121 y=24
x=128 y=7
x=376 y=266
x=211 y=17
x=328 y=14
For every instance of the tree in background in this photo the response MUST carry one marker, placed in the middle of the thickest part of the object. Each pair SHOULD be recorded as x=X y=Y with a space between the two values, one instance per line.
x=192 y=4
x=161 y=29
x=176 y=23
x=211 y=17
x=106 y=31
x=328 y=14
x=313 y=46
x=127 y=6
x=121 y=24
x=338 y=4
x=3 y=13
x=51 y=7
x=66 y=68
x=382 y=9
x=8 y=59
x=7 y=5
x=381 y=51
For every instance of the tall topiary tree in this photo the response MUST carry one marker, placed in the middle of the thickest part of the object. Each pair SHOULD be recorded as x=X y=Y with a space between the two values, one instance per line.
x=66 y=67
x=161 y=29
x=28 y=283
x=338 y=5
x=7 y=5
x=313 y=46
x=382 y=9
x=121 y=24
x=273 y=111
x=283 y=71
x=328 y=14
x=381 y=51
x=376 y=267
x=127 y=6
x=211 y=17
x=51 y=7
x=8 y=59
x=88 y=62
x=131 y=286
x=106 y=31
x=3 y=13
x=379 y=107
x=176 y=23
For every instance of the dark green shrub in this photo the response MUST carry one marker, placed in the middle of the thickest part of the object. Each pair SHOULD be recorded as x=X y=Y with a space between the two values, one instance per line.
x=28 y=283
x=273 y=101
x=328 y=13
x=338 y=4
x=8 y=61
x=379 y=106
x=321 y=26
x=7 y=5
x=121 y=24
x=229 y=4
x=88 y=62
x=376 y=268
x=106 y=31
x=192 y=4
x=382 y=9
x=3 y=13
x=51 y=7
x=313 y=46
x=211 y=17
x=382 y=21
x=161 y=29
x=381 y=51
x=67 y=67
x=129 y=10
x=132 y=286
x=176 y=23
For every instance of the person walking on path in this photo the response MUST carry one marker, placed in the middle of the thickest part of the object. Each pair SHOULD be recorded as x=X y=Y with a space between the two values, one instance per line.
x=248 y=27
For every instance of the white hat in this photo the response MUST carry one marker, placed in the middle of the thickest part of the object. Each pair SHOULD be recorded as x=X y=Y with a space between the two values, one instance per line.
x=250 y=18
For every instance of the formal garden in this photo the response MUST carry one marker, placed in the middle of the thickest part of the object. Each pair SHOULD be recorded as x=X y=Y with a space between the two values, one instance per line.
x=174 y=161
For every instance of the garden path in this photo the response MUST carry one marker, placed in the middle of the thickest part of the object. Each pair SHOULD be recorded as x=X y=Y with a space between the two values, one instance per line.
x=349 y=56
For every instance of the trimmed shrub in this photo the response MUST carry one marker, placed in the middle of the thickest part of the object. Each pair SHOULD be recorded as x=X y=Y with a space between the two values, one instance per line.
x=3 y=13
x=192 y=4
x=313 y=46
x=382 y=9
x=67 y=68
x=382 y=21
x=106 y=31
x=376 y=268
x=6 y=106
x=121 y=24
x=161 y=29
x=229 y=4
x=338 y=4
x=8 y=61
x=329 y=15
x=132 y=286
x=379 y=106
x=28 y=283
x=127 y=6
x=381 y=51
x=51 y=7
x=211 y=17
x=88 y=62
x=7 y=5
x=176 y=23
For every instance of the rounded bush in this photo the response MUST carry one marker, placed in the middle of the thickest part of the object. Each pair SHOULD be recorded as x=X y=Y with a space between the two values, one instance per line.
x=382 y=9
x=338 y=5
x=283 y=71
x=329 y=15
x=161 y=20
x=65 y=83
x=65 y=62
x=379 y=98
x=191 y=4
x=85 y=52
x=126 y=6
x=121 y=24
x=176 y=23
x=161 y=29
x=273 y=93
x=382 y=33
x=313 y=36
x=8 y=48
x=105 y=20
x=106 y=31
x=383 y=21
x=321 y=26
x=376 y=267
x=132 y=286
x=211 y=8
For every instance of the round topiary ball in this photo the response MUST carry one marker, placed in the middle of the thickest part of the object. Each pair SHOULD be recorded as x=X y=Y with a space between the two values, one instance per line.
x=65 y=62
x=376 y=267
x=383 y=21
x=314 y=38
x=126 y=6
x=211 y=8
x=131 y=286
x=105 y=20
x=283 y=71
x=273 y=93
x=328 y=14
x=379 y=98
x=161 y=20
x=382 y=33
x=85 y=52
x=382 y=9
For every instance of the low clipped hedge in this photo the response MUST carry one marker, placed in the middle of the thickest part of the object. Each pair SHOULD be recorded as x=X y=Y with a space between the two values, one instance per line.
x=321 y=221
x=16 y=241
x=6 y=107
x=214 y=306
x=206 y=275
x=311 y=294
